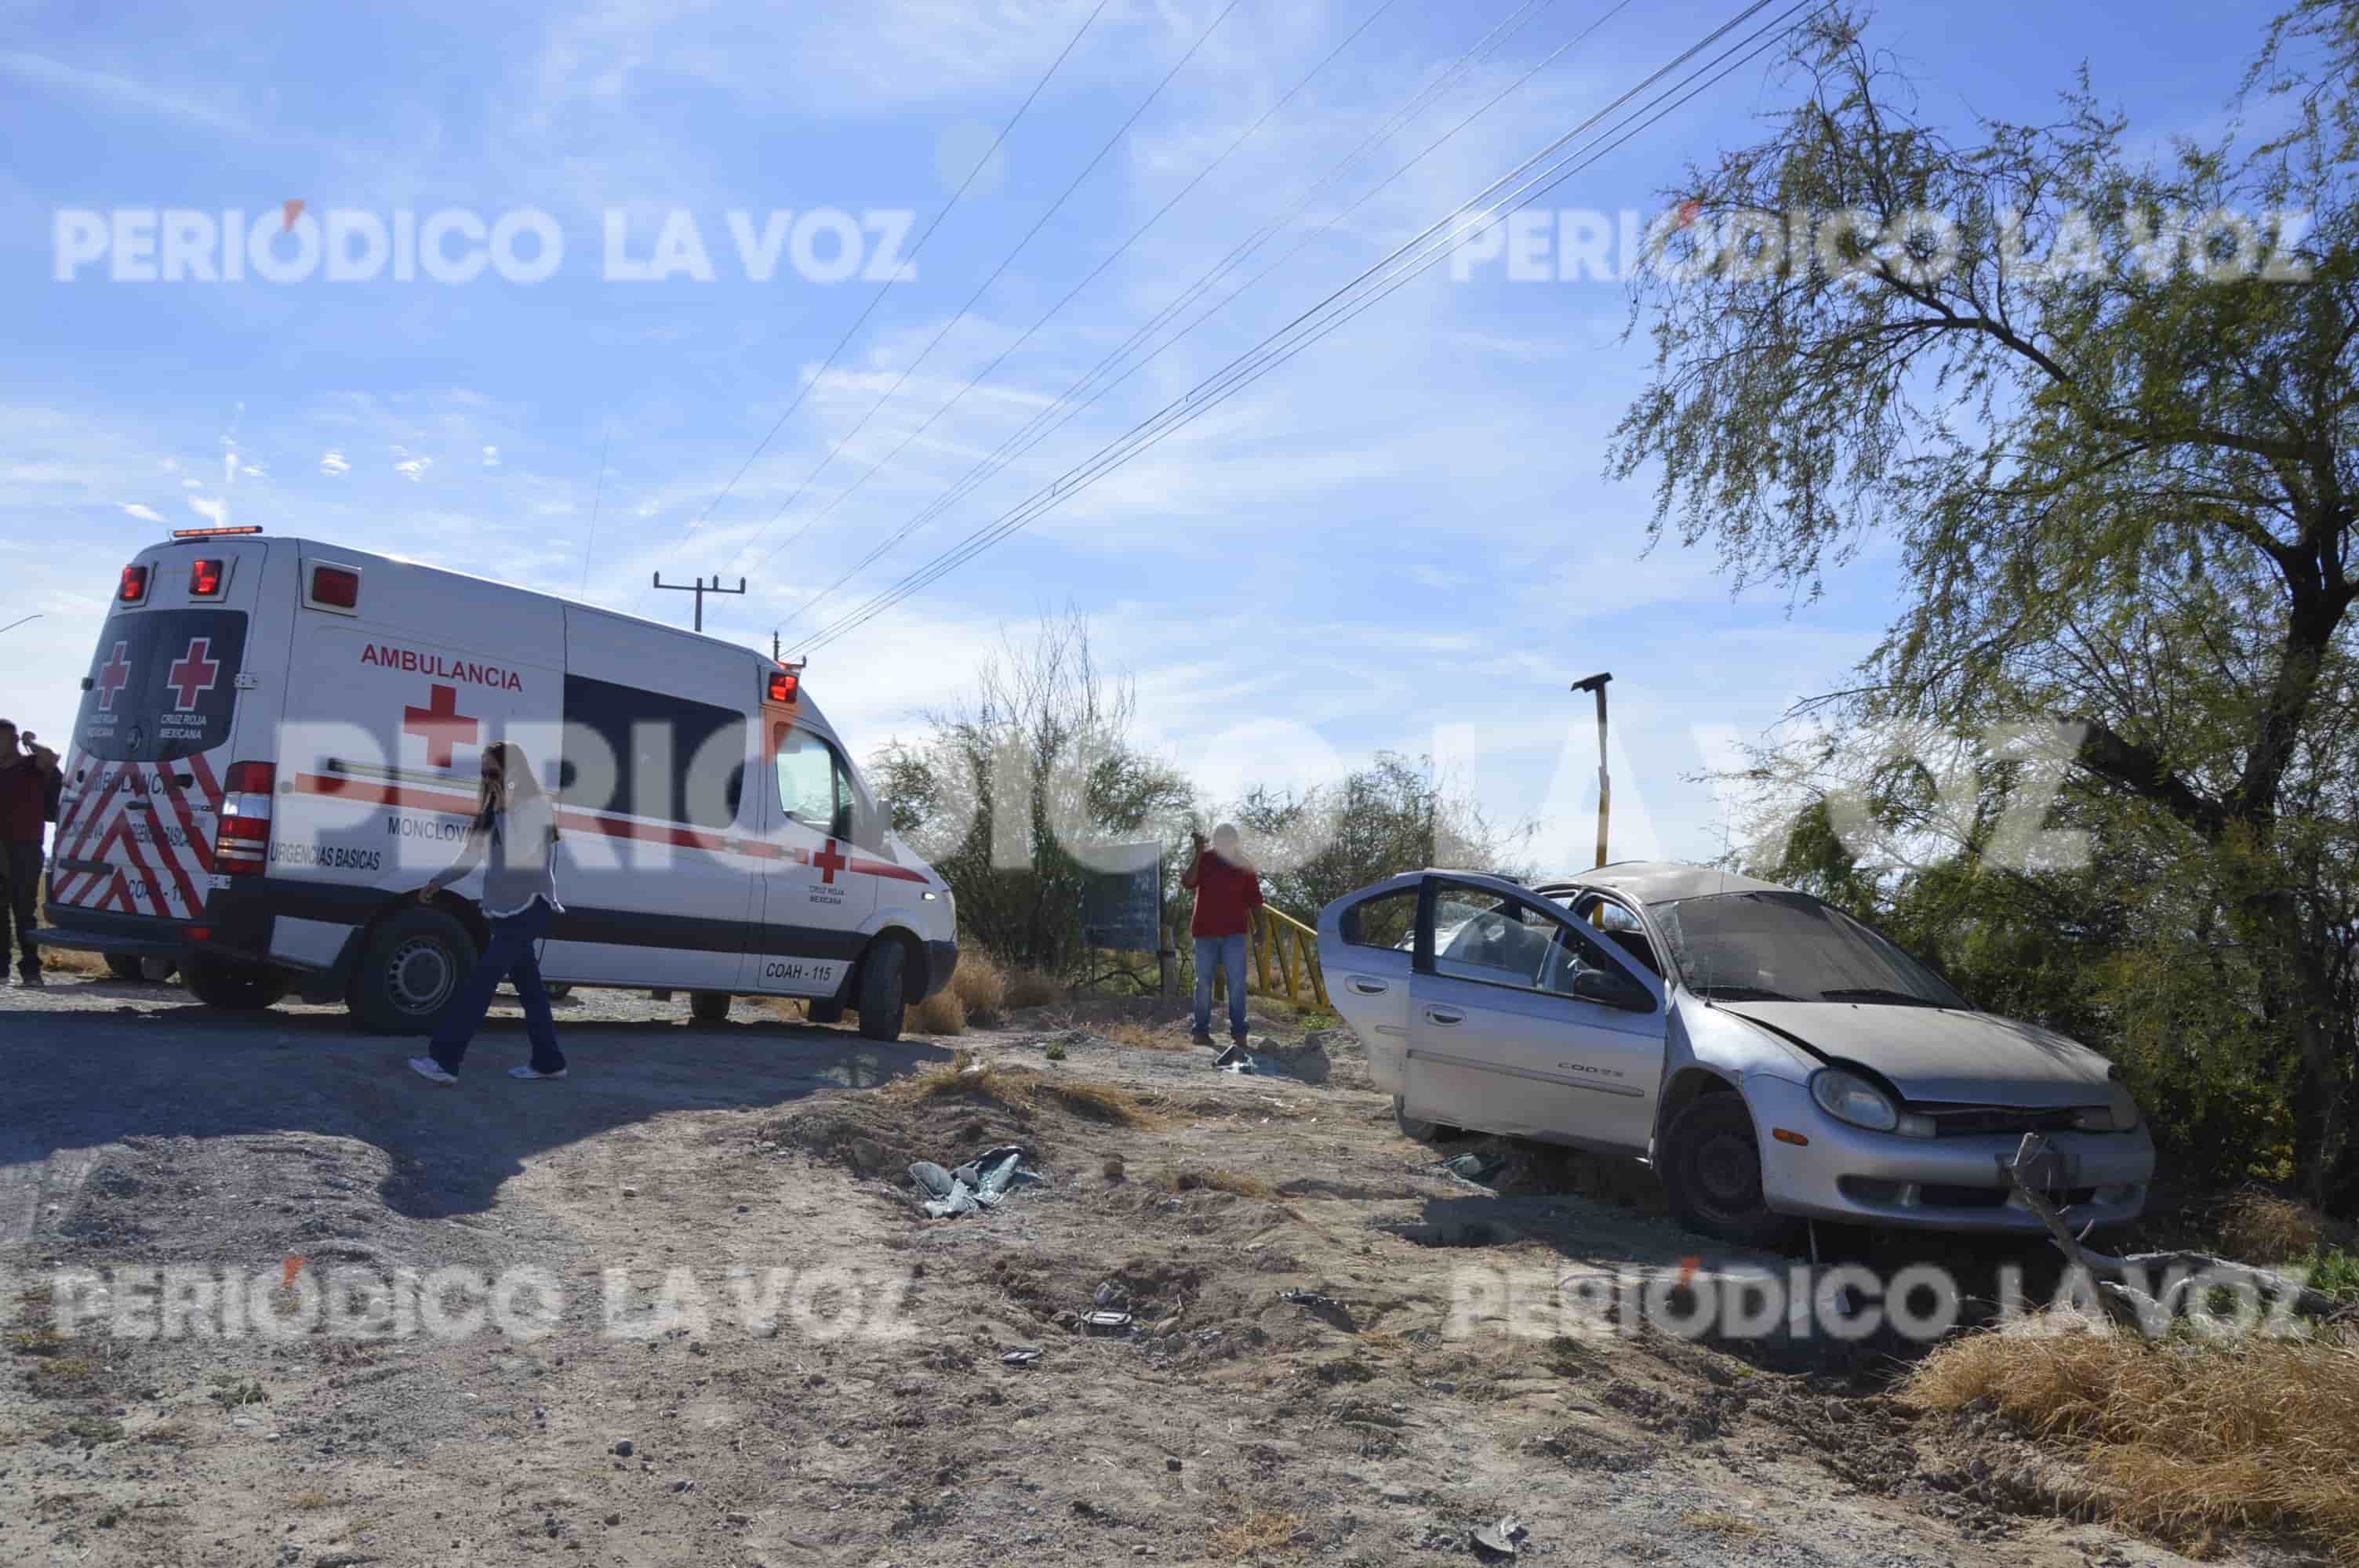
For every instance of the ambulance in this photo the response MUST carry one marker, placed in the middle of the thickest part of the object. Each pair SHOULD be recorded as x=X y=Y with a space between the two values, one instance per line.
x=279 y=742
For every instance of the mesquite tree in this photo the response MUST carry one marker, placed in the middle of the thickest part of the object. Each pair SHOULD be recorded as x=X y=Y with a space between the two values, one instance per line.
x=2104 y=403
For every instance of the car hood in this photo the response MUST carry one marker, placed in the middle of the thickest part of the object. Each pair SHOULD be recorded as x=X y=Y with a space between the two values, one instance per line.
x=1939 y=1055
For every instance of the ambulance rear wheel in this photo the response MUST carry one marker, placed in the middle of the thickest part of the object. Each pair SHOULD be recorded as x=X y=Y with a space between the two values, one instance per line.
x=882 y=999
x=413 y=963
x=709 y=1007
x=236 y=987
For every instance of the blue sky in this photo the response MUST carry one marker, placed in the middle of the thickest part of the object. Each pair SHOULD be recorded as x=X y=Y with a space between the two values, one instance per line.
x=1403 y=539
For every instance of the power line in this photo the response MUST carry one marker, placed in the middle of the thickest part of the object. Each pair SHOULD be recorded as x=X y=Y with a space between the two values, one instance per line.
x=1035 y=431
x=1009 y=260
x=1264 y=357
x=1095 y=272
x=876 y=298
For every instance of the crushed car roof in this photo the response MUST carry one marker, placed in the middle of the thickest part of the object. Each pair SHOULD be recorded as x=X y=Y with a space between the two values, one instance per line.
x=1662 y=882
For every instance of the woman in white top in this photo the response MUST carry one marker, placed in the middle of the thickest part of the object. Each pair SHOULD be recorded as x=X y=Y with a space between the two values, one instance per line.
x=514 y=837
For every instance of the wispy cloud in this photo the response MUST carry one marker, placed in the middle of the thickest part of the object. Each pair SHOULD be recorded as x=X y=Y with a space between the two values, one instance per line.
x=119 y=92
x=144 y=513
x=333 y=463
x=211 y=509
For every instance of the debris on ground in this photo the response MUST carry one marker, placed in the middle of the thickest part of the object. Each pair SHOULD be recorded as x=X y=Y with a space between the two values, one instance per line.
x=1477 y=1165
x=1499 y=1540
x=980 y=1182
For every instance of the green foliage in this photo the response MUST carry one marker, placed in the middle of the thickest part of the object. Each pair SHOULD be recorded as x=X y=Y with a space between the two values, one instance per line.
x=2119 y=495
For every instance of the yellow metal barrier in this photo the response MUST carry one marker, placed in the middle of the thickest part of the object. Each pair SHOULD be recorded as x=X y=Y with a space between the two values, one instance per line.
x=1282 y=944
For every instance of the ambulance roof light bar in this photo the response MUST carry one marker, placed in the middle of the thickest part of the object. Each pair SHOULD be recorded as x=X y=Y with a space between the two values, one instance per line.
x=215 y=533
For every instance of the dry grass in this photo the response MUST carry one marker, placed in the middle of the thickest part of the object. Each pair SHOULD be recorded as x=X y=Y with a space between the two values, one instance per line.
x=940 y=1014
x=1263 y=1530
x=311 y=1501
x=1144 y=1036
x=1220 y=1181
x=1721 y=1522
x=980 y=983
x=2261 y=1227
x=1019 y=1088
x=1032 y=988
x=783 y=1007
x=65 y=960
x=2181 y=1438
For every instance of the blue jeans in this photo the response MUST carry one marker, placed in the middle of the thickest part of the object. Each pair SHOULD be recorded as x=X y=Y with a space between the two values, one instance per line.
x=511 y=956
x=1221 y=953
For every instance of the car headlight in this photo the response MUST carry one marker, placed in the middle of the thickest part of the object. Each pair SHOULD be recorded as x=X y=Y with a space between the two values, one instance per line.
x=2119 y=1114
x=1847 y=1097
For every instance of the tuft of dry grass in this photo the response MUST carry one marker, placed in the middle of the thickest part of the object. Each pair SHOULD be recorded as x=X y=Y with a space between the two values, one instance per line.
x=980 y=983
x=940 y=1014
x=1018 y=1087
x=66 y=960
x=1263 y=1530
x=1032 y=988
x=1719 y=1521
x=1144 y=1036
x=311 y=1501
x=2180 y=1438
x=2261 y=1227
x=1222 y=1180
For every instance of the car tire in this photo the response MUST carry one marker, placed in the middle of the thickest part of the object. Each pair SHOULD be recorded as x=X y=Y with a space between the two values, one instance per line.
x=1418 y=1131
x=882 y=997
x=411 y=966
x=823 y=1010
x=122 y=966
x=1712 y=1167
x=709 y=1007
x=236 y=987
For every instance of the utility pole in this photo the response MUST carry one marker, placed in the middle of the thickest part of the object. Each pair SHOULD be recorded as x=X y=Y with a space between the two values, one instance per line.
x=701 y=588
x=1596 y=683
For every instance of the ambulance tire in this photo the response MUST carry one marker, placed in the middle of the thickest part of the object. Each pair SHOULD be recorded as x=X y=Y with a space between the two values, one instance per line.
x=414 y=961
x=709 y=1007
x=122 y=966
x=881 y=996
x=823 y=1010
x=234 y=987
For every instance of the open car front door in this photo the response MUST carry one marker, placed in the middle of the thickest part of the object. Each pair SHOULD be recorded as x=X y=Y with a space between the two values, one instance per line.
x=1524 y=1019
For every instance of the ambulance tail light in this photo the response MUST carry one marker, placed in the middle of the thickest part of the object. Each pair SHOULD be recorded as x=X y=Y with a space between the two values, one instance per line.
x=134 y=586
x=204 y=578
x=242 y=845
x=784 y=686
x=339 y=586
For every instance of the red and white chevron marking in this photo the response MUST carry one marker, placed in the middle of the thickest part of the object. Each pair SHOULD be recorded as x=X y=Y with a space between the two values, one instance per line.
x=175 y=877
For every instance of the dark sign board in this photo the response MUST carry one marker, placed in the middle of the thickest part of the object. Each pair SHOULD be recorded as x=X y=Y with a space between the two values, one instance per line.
x=1122 y=902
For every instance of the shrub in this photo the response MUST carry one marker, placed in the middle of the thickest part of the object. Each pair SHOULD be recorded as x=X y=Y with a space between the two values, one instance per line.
x=2261 y=1227
x=981 y=985
x=940 y=1014
x=1032 y=988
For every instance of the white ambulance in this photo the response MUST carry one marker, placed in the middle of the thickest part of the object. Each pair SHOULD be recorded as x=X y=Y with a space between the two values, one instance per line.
x=278 y=743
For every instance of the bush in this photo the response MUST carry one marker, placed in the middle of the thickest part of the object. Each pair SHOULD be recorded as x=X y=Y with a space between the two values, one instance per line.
x=940 y=1014
x=981 y=985
x=2263 y=1227
x=1032 y=988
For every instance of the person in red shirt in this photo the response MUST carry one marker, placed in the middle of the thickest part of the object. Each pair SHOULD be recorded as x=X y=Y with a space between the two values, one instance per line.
x=26 y=773
x=1228 y=889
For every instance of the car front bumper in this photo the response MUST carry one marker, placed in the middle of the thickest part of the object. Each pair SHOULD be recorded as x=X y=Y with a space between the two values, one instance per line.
x=1849 y=1173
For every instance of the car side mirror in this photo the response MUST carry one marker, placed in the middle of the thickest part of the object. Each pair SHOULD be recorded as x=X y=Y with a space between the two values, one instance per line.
x=1609 y=990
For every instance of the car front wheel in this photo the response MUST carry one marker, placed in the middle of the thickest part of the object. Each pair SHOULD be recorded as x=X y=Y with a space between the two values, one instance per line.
x=1711 y=1165
x=882 y=998
x=414 y=963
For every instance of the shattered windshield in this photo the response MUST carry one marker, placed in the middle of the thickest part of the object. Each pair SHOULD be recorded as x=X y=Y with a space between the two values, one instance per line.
x=1788 y=947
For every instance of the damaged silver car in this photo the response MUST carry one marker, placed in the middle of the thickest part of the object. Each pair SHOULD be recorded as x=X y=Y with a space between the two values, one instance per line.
x=1772 y=1058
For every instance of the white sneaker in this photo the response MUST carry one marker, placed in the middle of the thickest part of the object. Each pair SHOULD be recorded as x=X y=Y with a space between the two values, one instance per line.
x=429 y=1069
x=527 y=1072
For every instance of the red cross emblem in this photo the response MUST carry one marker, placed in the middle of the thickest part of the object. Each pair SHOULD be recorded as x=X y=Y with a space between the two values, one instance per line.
x=113 y=677
x=829 y=861
x=441 y=723
x=196 y=673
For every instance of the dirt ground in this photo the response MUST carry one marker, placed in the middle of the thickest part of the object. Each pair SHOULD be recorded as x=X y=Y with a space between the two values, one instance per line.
x=1306 y=1372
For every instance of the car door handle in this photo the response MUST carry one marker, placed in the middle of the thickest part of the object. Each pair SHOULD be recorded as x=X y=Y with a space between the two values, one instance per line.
x=1368 y=988
x=1444 y=1015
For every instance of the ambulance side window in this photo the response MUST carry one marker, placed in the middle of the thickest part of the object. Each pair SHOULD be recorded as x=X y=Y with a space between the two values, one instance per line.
x=814 y=787
x=663 y=756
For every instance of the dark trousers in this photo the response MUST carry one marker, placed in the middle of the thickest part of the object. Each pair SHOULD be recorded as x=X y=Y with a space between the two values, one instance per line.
x=20 y=895
x=511 y=956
